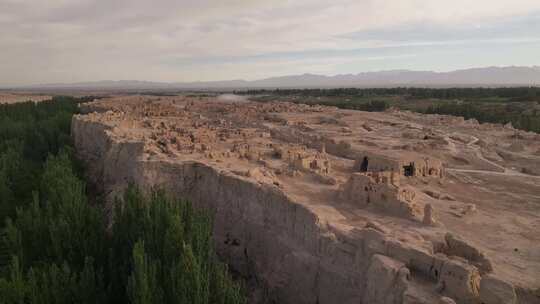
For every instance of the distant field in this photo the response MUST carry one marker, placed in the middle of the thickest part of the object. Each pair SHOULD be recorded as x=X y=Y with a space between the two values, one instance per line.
x=9 y=98
x=519 y=106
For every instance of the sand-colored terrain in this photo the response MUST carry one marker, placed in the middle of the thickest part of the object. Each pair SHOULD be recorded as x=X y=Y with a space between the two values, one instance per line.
x=322 y=205
x=8 y=98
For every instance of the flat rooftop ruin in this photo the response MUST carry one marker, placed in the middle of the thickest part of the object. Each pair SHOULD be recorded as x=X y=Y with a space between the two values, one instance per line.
x=453 y=190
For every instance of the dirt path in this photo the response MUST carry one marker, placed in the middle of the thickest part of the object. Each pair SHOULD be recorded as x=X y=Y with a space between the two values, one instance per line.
x=478 y=153
x=507 y=172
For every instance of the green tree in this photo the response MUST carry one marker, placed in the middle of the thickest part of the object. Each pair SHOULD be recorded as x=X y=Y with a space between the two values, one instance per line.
x=143 y=283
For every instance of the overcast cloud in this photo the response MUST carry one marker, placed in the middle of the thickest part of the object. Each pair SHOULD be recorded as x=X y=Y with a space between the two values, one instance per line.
x=173 y=40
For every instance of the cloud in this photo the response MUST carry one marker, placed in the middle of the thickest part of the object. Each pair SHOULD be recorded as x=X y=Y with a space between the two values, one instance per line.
x=527 y=26
x=169 y=40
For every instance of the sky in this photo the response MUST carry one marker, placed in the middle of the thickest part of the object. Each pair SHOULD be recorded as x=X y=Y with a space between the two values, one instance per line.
x=52 y=41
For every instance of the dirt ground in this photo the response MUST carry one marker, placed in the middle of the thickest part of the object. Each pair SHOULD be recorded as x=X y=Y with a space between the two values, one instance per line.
x=8 y=98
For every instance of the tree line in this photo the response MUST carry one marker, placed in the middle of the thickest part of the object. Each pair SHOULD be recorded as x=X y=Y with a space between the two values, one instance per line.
x=521 y=116
x=57 y=246
x=512 y=93
x=517 y=105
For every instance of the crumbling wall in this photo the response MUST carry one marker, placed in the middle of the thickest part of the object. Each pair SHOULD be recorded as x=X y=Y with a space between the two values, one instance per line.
x=303 y=160
x=455 y=246
x=369 y=162
x=424 y=166
x=382 y=192
x=404 y=166
x=314 y=141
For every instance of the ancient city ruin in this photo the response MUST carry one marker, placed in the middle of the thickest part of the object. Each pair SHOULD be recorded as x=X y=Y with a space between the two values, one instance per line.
x=321 y=205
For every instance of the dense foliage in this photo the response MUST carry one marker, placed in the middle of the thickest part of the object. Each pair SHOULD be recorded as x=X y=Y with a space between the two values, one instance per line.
x=172 y=260
x=58 y=246
x=518 y=105
x=521 y=115
x=28 y=133
x=56 y=243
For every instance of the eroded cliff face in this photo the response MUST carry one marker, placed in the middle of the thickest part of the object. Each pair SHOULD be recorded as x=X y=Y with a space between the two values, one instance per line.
x=293 y=251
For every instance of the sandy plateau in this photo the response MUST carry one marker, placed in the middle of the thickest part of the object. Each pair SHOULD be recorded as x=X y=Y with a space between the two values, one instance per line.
x=7 y=98
x=321 y=205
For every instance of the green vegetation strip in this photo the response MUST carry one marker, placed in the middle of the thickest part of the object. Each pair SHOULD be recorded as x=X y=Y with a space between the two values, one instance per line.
x=519 y=106
x=55 y=246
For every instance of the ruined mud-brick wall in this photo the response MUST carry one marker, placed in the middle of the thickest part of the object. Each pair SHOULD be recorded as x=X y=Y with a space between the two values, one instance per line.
x=380 y=191
x=419 y=166
x=297 y=258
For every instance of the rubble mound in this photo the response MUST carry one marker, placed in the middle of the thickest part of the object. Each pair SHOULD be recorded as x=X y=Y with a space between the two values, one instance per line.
x=321 y=205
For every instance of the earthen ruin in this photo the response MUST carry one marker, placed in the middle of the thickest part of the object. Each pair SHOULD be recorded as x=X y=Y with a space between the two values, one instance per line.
x=336 y=206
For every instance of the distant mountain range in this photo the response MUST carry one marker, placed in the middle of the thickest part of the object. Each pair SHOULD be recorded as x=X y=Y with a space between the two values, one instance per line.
x=489 y=76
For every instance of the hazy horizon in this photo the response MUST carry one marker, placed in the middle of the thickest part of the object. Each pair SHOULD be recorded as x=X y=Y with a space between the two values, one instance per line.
x=61 y=41
x=276 y=76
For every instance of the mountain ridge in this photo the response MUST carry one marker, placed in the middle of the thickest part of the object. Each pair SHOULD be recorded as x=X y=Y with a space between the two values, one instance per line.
x=484 y=76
